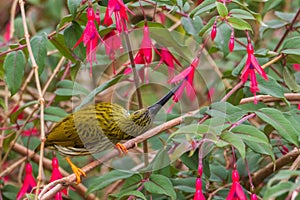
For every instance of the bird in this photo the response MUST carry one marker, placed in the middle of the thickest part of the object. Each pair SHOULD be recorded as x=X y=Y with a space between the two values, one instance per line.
x=96 y=128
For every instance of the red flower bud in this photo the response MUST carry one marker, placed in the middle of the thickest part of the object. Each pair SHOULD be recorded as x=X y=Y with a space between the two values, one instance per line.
x=253 y=197
x=235 y=175
x=213 y=32
x=231 y=43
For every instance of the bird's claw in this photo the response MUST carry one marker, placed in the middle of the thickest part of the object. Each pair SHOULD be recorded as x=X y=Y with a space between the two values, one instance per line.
x=122 y=149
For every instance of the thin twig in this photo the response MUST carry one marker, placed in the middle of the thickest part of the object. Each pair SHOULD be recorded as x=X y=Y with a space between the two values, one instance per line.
x=268 y=98
x=40 y=98
x=287 y=30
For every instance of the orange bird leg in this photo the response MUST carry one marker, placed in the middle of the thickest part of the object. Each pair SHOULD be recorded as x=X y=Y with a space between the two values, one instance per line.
x=122 y=149
x=77 y=171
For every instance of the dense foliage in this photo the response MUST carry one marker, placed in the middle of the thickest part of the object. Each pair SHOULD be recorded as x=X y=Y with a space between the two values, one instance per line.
x=231 y=131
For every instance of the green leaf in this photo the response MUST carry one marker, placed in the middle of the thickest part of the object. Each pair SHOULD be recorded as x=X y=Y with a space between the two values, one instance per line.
x=71 y=36
x=39 y=50
x=159 y=184
x=235 y=141
x=54 y=114
x=185 y=184
x=250 y=133
x=292 y=43
x=222 y=10
x=99 y=89
x=261 y=148
x=280 y=123
x=278 y=190
x=285 y=16
x=291 y=51
x=290 y=80
x=72 y=6
x=67 y=84
x=192 y=26
x=59 y=42
x=107 y=179
x=193 y=129
x=14 y=66
x=135 y=193
x=161 y=160
x=203 y=7
x=270 y=5
x=226 y=111
x=239 y=24
x=243 y=14
x=281 y=175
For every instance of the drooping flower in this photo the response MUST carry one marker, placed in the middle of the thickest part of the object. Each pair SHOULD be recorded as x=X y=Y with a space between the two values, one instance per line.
x=251 y=67
x=236 y=191
x=168 y=58
x=6 y=35
x=187 y=76
x=231 y=42
x=119 y=9
x=55 y=176
x=253 y=197
x=198 y=194
x=144 y=55
x=29 y=182
x=90 y=38
x=113 y=43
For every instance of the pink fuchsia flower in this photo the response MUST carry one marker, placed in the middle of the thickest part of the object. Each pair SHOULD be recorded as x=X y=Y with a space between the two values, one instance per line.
x=198 y=194
x=144 y=55
x=113 y=42
x=231 y=42
x=251 y=67
x=119 y=9
x=236 y=191
x=55 y=176
x=90 y=38
x=296 y=67
x=168 y=58
x=187 y=78
x=28 y=184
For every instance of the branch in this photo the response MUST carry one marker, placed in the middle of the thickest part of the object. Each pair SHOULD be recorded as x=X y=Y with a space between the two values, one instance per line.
x=114 y=153
x=40 y=93
x=47 y=163
x=259 y=176
x=268 y=98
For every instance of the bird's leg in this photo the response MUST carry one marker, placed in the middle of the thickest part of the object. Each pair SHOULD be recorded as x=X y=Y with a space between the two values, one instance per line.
x=77 y=171
x=122 y=149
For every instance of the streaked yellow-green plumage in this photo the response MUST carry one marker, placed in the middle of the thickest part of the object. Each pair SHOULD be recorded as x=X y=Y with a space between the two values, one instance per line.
x=96 y=128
